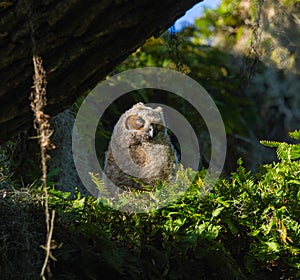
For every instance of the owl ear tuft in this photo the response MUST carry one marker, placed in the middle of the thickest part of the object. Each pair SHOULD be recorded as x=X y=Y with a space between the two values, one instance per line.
x=134 y=122
x=158 y=109
x=138 y=105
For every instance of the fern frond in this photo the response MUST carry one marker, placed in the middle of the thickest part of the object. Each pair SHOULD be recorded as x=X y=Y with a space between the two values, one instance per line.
x=295 y=151
x=97 y=180
x=295 y=134
x=284 y=151
x=273 y=144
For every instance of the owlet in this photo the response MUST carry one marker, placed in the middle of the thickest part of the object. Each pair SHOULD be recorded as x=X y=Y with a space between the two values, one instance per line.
x=140 y=151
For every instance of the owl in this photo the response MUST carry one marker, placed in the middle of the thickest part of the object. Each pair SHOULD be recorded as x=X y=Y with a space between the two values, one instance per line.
x=140 y=151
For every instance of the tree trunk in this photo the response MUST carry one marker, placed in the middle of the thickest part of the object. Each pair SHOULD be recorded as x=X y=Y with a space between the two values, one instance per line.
x=79 y=41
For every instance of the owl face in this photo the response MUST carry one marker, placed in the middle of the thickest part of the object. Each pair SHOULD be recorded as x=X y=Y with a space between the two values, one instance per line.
x=139 y=126
x=143 y=127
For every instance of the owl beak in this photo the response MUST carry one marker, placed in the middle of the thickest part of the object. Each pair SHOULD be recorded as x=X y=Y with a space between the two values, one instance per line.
x=151 y=132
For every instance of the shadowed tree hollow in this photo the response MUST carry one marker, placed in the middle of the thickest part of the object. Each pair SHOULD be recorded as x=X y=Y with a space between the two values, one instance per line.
x=79 y=41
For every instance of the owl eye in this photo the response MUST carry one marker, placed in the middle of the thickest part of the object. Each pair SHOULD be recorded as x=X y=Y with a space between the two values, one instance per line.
x=134 y=122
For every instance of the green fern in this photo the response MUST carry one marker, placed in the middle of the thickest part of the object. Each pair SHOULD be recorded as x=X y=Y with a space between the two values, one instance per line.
x=295 y=134
x=285 y=151
x=97 y=180
x=272 y=144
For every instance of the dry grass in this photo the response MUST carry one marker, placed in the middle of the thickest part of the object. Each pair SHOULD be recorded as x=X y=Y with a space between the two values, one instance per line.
x=42 y=127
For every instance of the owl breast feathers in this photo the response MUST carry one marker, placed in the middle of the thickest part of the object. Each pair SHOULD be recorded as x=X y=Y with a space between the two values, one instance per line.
x=140 y=148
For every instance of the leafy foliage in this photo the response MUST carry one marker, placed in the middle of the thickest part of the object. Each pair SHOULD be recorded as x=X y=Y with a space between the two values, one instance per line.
x=285 y=151
x=247 y=227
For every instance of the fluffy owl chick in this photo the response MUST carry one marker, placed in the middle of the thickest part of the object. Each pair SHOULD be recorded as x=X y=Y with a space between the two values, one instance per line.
x=140 y=148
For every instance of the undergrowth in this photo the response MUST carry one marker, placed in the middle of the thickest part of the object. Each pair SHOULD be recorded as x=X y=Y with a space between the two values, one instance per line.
x=247 y=227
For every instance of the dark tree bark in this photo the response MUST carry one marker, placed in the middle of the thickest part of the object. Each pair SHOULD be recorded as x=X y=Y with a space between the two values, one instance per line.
x=79 y=41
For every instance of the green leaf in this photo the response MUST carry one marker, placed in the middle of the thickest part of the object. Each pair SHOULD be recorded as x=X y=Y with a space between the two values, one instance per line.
x=59 y=194
x=272 y=246
x=223 y=202
x=295 y=134
x=272 y=144
x=79 y=203
x=201 y=228
x=254 y=232
x=239 y=161
x=217 y=212
x=97 y=180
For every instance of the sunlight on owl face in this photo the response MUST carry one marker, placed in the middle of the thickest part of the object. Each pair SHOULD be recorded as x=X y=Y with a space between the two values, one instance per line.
x=144 y=129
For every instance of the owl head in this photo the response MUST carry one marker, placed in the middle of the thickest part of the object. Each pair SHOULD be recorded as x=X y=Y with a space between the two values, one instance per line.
x=144 y=123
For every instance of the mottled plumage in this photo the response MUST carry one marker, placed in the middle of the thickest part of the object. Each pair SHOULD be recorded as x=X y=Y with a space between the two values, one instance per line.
x=141 y=147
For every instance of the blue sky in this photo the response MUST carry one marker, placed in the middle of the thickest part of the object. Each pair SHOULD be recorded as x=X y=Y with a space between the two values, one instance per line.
x=195 y=12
